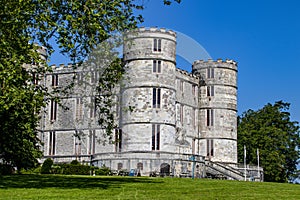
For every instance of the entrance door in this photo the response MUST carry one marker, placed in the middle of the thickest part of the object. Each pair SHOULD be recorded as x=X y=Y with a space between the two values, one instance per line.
x=164 y=169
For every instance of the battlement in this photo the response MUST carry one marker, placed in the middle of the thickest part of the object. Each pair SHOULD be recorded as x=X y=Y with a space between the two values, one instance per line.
x=60 y=67
x=152 y=32
x=67 y=68
x=209 y=61
x=156 y=30
x=184 y=72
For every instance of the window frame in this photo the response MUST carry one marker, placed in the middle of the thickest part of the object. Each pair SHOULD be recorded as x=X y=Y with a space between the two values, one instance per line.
x=157 y=66
x=210 y=91
x=209 y=117
x=155 y=139
x=210 y=147
x=53 y=110
x=52 y=143
x=118 y=140
x=210 y=73
x=157 y=45
x=54 y=80
x=156 y=98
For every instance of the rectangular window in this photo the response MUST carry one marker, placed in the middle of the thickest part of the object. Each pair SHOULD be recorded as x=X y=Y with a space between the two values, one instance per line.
x=210 y=90
x=156 y=66
x=51 y=143
x=35 y=78
x=210 y=147
x=53 y=110
x=92 y=141
x=117 y=109
x=79 y=78
x=193 y=117
x=181 y=86
x=94 y=76
x=54 y=80
x=194 y=90
x=196 y=119
x=181 y=114
x=118 y=140
x=79 y=108
x=156 y=98
x=210 y=73
x=77 y=146
x=193 y=146
x=209 y=117
x=155 y=137
x=93 y=108
x=157 y=45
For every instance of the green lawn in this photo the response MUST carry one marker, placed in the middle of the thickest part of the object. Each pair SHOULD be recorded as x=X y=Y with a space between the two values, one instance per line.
x=86 y=187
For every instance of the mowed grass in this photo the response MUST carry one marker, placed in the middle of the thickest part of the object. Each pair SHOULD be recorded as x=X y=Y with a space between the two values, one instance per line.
x=89 y=187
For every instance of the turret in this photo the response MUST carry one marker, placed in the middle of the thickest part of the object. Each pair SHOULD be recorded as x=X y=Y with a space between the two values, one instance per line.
x=150 y=90
x=218 y=109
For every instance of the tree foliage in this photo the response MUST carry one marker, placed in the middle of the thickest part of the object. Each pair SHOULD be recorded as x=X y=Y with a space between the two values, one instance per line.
x=277 y=137
x=76 y=27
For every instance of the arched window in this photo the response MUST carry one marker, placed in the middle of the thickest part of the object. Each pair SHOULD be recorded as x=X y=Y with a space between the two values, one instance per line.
x=140 y=166
x=120 y=166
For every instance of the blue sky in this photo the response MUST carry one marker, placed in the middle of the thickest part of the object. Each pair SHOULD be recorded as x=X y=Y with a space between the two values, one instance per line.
x=261 y=35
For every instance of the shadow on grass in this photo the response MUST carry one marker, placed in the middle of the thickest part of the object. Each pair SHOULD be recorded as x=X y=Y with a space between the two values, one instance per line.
x=68 y=182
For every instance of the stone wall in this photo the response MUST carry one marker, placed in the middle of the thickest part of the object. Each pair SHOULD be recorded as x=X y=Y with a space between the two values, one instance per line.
x=165 y=114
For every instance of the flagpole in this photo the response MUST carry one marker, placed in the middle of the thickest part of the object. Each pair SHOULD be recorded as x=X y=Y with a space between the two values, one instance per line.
x=245 y=162
x=258 y=174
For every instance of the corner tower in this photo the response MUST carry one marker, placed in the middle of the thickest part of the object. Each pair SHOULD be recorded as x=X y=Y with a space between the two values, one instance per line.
x=218 y=109
x=150 y=91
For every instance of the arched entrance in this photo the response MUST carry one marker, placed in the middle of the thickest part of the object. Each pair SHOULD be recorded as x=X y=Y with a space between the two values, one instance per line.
x=164 y=169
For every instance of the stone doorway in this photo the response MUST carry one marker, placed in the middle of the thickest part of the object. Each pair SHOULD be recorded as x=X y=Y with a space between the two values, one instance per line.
x=164 y=169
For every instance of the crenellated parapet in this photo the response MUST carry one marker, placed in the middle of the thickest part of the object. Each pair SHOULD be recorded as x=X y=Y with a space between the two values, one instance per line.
x=186 y=73
x=70 y=68
x=152 y=30
x=219 y=63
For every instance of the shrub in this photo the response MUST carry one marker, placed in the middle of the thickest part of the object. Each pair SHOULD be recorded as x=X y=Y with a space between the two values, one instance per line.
x=103 y=171
x=75 y=162
x=56 y=169
x=70 y=169
x=46 y=167
x=6 y=169
x=36 y=170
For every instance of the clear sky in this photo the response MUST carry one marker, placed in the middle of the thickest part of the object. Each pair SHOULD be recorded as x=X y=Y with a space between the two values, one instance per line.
x=261 y=35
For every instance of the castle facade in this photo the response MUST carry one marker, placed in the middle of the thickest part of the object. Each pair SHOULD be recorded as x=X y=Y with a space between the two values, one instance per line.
x=180 y=122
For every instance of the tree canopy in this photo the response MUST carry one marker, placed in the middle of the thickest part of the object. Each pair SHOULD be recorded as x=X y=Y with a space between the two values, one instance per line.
x=270 y=130
x=76 y=27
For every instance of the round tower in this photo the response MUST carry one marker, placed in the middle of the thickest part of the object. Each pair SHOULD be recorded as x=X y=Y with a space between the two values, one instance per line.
x=217 y=109
x=148 y=96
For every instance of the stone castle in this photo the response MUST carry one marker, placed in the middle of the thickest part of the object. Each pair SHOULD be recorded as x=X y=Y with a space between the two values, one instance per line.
x=181 y=124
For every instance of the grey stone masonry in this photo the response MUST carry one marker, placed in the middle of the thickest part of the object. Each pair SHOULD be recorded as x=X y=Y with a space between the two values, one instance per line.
x=218 y=109
x=177 y=121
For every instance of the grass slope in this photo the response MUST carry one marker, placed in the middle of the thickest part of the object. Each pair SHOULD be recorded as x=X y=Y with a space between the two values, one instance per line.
x=86 y=187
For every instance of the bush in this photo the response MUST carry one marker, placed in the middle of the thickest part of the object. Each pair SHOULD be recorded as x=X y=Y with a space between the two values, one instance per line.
x=75 y=162
x=103 y=171
x=36 y=170
x=6 y=169
x=70 y=169
x=56 y=169
x=47 y=166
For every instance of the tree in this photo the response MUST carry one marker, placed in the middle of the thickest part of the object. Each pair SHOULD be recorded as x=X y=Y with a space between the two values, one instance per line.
x=76 y=27
x=277 y=137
